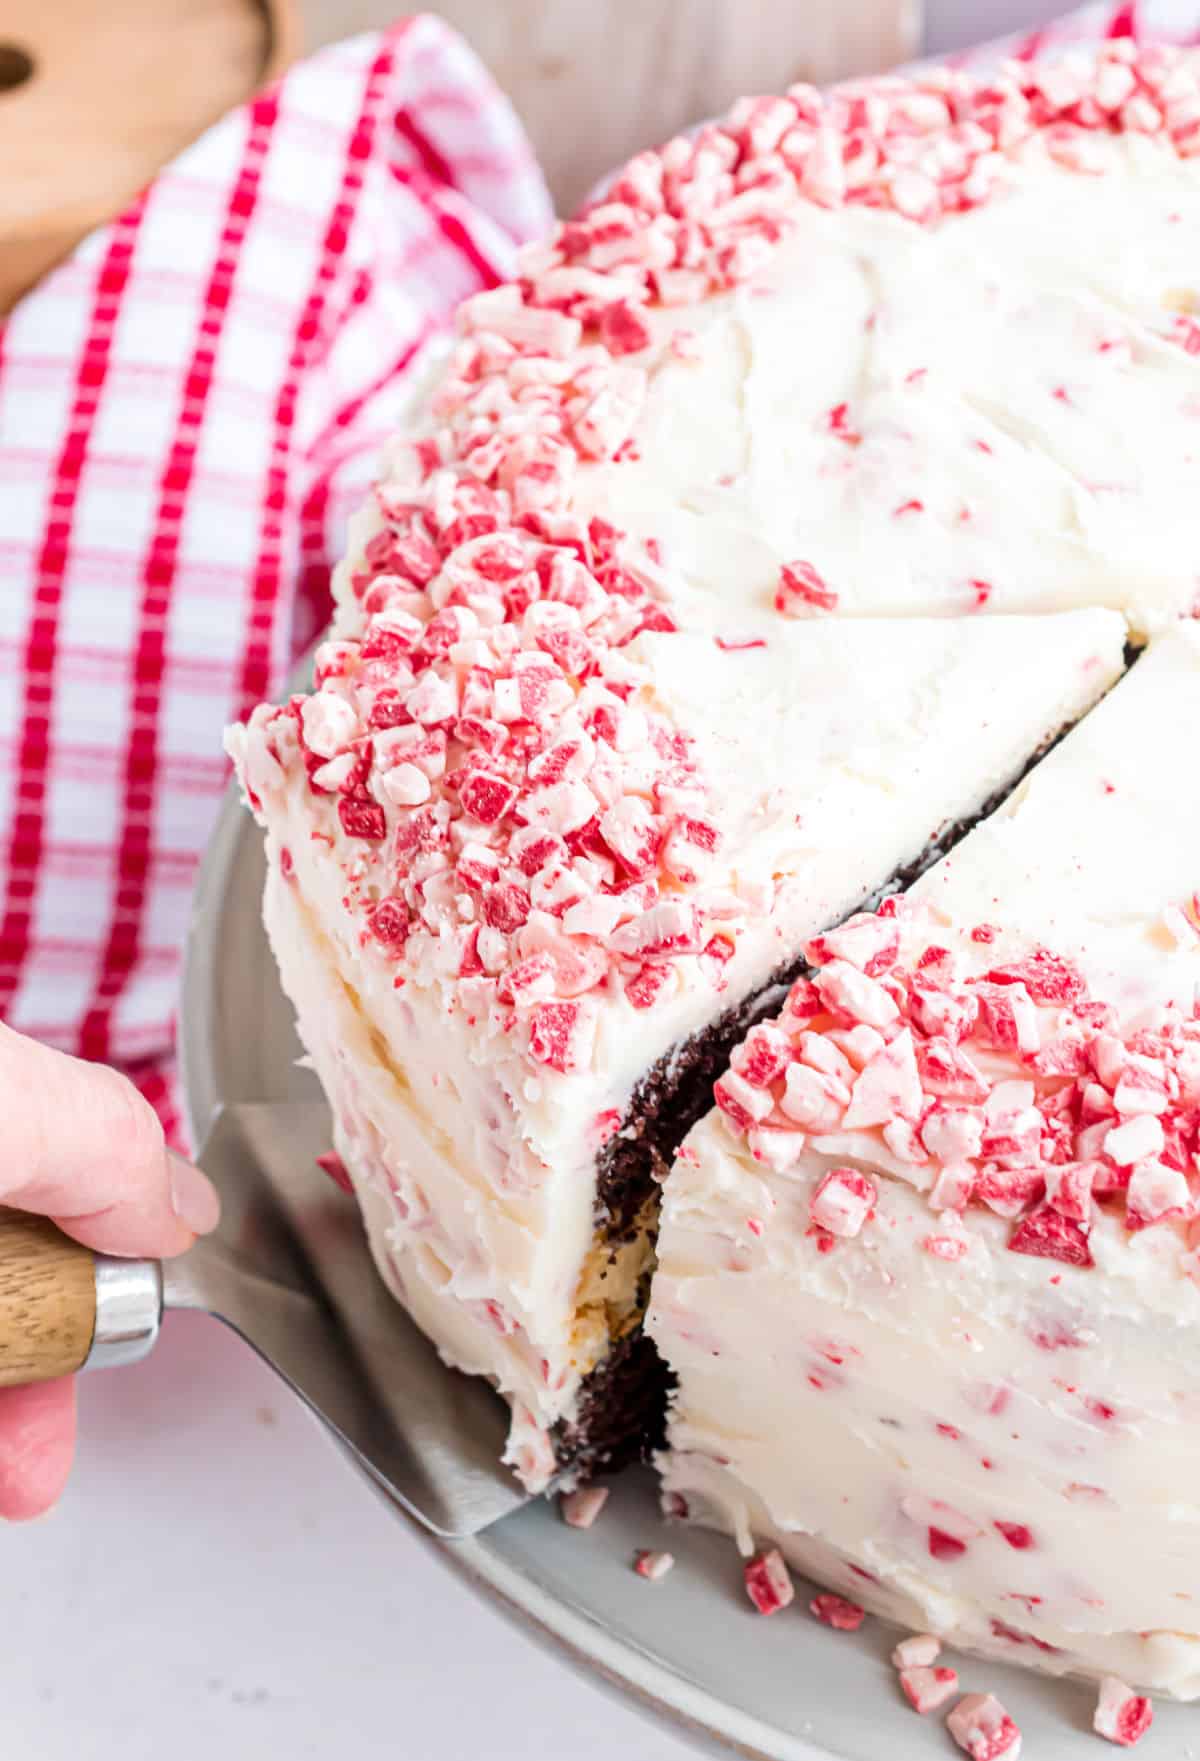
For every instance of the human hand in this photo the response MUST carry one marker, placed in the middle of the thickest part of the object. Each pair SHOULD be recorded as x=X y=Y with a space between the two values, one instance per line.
x=82 y=1147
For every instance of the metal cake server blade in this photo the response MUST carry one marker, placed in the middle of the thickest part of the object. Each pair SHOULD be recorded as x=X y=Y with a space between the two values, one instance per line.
x=288 y=1270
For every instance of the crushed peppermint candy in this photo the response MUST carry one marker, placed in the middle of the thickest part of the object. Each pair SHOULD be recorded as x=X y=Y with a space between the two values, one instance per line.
x=768 y=1582
x=474 y=747
x=994 y=1084
x=1121 y=1715
x=843 y=1201
x=581 y=1507
x=917 y=1652
x=982 y=1728
x=653 y=1565
x=332 y=1164
x=926 y=1688
x=837 y=1612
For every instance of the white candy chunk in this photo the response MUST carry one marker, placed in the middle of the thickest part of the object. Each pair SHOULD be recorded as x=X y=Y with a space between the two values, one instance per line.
x=1137 y=1138
x=405 y=785
x=813 y=1100
x=336 y=773
x=952 y=1134
x=329 y=723
x=843 y=988
x=917 y=1652
x=779 y=1150
x=888 y=1086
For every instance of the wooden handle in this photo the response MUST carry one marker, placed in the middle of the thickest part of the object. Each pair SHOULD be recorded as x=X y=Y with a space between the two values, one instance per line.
x=94 y=100
x=47 y=1300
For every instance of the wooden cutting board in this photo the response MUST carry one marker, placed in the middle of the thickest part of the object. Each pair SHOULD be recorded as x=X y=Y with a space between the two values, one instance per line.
x=95 y=95
x=94 y=98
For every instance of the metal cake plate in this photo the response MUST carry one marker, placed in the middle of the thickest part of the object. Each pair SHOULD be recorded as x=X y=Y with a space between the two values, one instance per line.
x=688 y=1648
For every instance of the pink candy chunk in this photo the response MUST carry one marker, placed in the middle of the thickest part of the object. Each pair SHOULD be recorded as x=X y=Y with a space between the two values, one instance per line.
x=1121 y=1715
x=332 y=1164
x=835 y=1611
x=843 y=1201
x=1049 y=1236
x=802 y=591
x=768 y=1581
x=983 y=1730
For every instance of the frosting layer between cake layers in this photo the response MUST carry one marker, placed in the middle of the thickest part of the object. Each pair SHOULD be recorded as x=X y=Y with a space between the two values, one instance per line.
x=928 y=1282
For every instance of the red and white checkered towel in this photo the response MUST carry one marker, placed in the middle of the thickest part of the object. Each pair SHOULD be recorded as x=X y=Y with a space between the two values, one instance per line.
x=188 y=408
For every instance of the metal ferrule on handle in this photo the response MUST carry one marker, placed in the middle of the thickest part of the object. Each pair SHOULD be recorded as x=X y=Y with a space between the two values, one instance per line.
x=129 y=1307
x=64 y=1308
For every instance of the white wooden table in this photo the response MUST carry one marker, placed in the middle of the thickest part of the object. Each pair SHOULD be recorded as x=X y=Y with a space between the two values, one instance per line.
x=219 y=1586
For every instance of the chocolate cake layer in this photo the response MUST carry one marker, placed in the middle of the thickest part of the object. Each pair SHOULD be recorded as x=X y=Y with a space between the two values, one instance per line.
x=623 y=1401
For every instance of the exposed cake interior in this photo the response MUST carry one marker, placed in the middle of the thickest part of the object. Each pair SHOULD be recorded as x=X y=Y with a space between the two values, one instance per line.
x=928 y=1277
x=515 y=1217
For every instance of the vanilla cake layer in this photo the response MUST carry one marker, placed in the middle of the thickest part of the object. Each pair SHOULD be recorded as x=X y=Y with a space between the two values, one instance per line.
x=483 y=1187
x=928 y=1283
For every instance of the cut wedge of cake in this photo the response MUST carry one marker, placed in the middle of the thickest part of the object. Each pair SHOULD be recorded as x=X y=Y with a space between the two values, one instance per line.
x=929 y=1282
x=513 y=1047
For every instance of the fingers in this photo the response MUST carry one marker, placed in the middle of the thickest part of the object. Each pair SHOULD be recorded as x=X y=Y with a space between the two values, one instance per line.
x=80 y=1145
x=37 y=1441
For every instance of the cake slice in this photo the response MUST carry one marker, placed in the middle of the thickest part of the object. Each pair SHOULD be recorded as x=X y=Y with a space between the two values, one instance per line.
x=516 y=982
x=931 y=1294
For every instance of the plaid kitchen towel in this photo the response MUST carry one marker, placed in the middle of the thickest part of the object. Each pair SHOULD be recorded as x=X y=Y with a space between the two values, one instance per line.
x=189 y=405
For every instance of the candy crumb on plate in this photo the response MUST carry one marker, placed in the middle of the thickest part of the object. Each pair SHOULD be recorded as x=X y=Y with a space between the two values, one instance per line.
x=653 y=1565
x=927 y=1689
x=581 y=1508
x=917 y=1652
x=1121 y=1715
x=983 y=1730
x=768 y=1581
x=835 y=1611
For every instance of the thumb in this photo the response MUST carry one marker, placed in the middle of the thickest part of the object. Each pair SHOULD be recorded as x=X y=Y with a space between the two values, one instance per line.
x=84 y=1148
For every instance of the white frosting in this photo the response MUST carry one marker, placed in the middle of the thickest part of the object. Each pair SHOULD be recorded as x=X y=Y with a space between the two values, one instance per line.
x=1015 y=326
x=847 y=1403
x=834 y=755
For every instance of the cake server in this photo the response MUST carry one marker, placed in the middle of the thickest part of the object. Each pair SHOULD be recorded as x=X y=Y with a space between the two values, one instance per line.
x=288 y=1270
